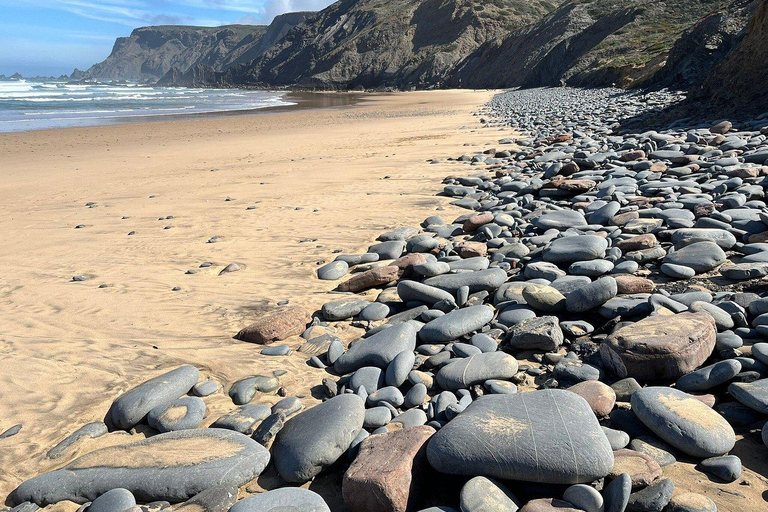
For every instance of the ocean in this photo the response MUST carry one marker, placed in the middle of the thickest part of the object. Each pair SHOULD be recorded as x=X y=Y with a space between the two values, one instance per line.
x=27 y=105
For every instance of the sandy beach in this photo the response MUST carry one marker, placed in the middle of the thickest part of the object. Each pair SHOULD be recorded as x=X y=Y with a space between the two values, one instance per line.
x=320 y=180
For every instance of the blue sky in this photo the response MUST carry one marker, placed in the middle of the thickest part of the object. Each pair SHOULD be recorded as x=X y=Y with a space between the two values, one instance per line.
x=52 y=37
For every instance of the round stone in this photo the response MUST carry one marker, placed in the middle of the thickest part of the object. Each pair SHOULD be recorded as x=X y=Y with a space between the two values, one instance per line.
x=600 y=397
x=182 y=414
x=481 y=494
x=115 y=500
x=333 y=270
x=316 y=438
x=476 y=369
x=641 y=468
x=683 y=421
x=456 y=324
x=584 y=497
x=547 y=436
x=709 y=376
x=287 y=499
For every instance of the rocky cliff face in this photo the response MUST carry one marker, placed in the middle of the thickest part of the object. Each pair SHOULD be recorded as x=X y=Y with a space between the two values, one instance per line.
x=739 y=80
x=374 y=43
x=585 y=43
x=150 y=53
x=705 y=44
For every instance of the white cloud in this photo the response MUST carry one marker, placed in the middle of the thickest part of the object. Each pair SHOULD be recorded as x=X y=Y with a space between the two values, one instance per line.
x=274 y=7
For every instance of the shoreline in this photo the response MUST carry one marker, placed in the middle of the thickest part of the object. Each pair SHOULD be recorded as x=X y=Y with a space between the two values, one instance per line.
x=81 y=345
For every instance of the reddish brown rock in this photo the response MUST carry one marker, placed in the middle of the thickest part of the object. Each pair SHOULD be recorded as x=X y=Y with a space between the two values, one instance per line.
x=623 y=218
x=276 y=325
x=662 y=167
x=633 y=284
x=641 y=468
x=581 y=185
x=600 y=397
x=758 y=238
x=708 y=400
x=660 y=347
x=638 y=154
x=370 y=279
x=722 y=127
x=638 y=243
x=704 y=209
x=477 y=221
x=387 y=474
x=569 y=168
x=472 y=249
x=549 y=505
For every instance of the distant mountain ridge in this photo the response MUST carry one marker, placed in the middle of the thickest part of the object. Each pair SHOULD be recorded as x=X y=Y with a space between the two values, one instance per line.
x=149 y=53
x=404 y=44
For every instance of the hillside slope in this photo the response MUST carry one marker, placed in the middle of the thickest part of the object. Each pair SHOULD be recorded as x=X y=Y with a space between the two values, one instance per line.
x=151 y=52
x=374 y=43
x=585 y=43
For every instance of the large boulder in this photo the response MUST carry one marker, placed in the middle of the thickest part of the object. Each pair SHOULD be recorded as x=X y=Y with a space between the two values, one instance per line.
x=313 y=440
x=171 y=467
x=660 y=347
x=547 y=436
x=388 y=473
x=130 y=408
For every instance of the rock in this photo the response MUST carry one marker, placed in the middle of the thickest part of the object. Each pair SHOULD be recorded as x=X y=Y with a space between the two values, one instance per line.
x=232 y=267
x=616 y=494
x=152 y=469
x=641 y=468
x=543 y=333
x=389 y=471
x=544 y=298
x=709 y=376
x=722 y=127
x=592 y=295
x=269 y=428
x=379 y=349
x=660 y=347
x=374 y=312
x=677 y=271
x=343 y=309
x=420 y=292
x=480 y=280
x=687 y=236
x=742 y=271
x=333 y=270
x=244 y=419
x=600 y=397
x=476 y=369
x=373 y=278
x=131 y=407
x=584 y=497
x=561 y=220
x=683 y=421
x=205 y=388
x=287 y=499
x=455 y=324
x=752 y=394
x=548 y=505
x=700 y=256
x=313 y=440
x=276 y=325
x=658 y=450
x=244 y=390
x=653 y=498
x=398 y=370
x=481 y=494
x=569 y=249
x=726 y=468
x=115 y=500
x=214 y=499
x=690 y=502
x=624 y=388
x=626 y=284
x=182 y=414
x=91 y=430
x=527 y=445
x=617 y=438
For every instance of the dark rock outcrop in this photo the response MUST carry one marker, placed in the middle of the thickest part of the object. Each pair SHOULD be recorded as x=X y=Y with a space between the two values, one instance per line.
x=151 y=53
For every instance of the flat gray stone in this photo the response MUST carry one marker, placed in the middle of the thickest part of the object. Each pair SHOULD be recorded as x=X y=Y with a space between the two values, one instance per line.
x=115 y=500
x=752 y=394
x=166 y=467
x=548 y=436
x=379 y=349
x=91 y=430
x=287 y=499
x=683 y=421
x=481 y=494
x=455 y=324
x=700 y=256
x=182 y=414
x=476 y=369
x=130 y=408
x=569 y=249
x=481 y=280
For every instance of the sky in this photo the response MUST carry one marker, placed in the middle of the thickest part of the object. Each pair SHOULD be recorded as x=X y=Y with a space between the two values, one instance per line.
x=52 y=37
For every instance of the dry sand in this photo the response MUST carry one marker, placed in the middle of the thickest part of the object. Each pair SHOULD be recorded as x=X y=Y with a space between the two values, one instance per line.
x=317 y=179
x=69 y=348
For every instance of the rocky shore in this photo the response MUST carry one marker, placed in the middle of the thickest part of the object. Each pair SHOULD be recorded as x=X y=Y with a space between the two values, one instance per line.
x=595 y=321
